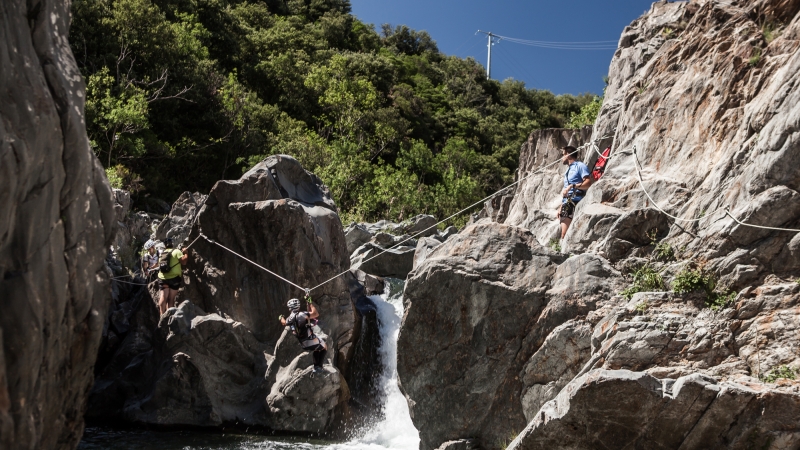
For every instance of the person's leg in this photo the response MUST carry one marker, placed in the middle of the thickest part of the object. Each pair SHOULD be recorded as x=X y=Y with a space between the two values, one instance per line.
x=172 y=294
x=565 y=221
x=319 y=356
x=163 y=298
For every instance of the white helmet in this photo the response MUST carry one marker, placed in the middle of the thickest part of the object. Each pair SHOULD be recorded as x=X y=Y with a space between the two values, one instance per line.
x=149 y=244
x=293 y=304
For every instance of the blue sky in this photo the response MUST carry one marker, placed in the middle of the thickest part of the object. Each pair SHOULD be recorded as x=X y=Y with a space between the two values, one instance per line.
x=452 y=24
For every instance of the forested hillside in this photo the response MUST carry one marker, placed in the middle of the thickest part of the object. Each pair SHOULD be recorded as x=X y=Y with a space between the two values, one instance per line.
x=182 y=93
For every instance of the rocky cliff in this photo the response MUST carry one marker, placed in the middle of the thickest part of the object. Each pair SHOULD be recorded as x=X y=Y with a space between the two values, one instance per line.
x=56 y=223
x=648 y=331
x=221 y=356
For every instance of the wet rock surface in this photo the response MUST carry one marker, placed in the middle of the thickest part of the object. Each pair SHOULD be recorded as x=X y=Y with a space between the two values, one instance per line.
x=57 y=222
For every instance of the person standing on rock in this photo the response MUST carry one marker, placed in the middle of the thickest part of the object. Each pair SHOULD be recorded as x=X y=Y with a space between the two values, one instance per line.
x=170 y=275
x=150 y=260
x=577 y=179
x=301 y=324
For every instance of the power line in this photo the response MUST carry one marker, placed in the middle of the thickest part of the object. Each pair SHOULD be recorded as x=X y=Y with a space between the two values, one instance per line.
x=584 y=45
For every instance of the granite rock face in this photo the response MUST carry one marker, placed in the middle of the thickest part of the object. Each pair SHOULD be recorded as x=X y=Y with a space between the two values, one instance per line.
x=222 y=356
x=469 y=308
x=178 y=223
x=624 y=409
x=714 y=129
x=56 y=223
x=712 y=107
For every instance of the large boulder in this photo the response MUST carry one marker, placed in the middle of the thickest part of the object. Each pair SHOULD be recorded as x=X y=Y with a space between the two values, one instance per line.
x=56 y=224
x=222 y=356
x=469 y=307
x=623 y=409
x=375 y=260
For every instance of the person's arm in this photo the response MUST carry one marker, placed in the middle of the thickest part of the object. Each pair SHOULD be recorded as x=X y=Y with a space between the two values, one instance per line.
x=583 y=185
x=282 y=319
x=312 y=310
x=185 y=258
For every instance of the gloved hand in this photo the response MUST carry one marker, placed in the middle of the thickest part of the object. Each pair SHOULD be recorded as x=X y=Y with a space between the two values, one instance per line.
x=280 y=317
x=308 y=298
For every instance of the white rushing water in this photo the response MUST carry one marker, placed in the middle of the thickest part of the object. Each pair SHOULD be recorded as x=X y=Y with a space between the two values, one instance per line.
x=395 y=431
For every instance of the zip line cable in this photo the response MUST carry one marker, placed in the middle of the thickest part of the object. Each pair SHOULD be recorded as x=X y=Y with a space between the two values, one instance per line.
x=591 y=144
x=251 y=261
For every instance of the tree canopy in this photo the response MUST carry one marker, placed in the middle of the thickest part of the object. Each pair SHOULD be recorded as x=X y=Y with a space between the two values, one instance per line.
x=182 y=93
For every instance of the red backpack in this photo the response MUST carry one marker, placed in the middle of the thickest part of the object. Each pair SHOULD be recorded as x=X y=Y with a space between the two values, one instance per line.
x=600 y=165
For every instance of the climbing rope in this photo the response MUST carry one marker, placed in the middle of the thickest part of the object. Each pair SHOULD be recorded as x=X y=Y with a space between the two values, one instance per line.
x=592 y=144
x=727 y=209
x=250 y=261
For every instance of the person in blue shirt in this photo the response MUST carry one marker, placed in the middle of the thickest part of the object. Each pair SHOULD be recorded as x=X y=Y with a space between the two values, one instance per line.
x=577 y=179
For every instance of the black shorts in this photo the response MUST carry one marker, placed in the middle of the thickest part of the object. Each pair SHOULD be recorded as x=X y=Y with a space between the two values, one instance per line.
x=172 y=283
x=567 y=210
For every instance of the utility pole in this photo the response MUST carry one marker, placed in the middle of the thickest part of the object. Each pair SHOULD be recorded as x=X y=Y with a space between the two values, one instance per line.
x=489 y=45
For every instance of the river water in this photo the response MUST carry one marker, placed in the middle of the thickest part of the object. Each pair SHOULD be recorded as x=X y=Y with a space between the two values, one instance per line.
x=395 y=431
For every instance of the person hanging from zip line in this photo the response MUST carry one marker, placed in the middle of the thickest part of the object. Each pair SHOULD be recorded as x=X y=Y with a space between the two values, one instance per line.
x=577 y=179
x=170 y=274
x=301 y=323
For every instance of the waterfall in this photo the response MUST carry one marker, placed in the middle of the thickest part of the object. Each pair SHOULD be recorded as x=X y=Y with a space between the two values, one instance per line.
x=395 y=431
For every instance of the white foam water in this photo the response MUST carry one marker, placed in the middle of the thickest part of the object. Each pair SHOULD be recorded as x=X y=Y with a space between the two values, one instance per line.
x=395 y=431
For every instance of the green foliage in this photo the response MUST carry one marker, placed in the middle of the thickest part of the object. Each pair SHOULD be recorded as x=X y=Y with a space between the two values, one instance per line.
x=641 y=307
x=184 y=93
x=120 y=177
x=770 y=31
x=504 y=443
x=693 y=280
x=755 y=58
x=697 y=280
x=779 y=372
x=587 y=115
x=114 y=178
x=664 y=252
x=555 y=245
x=667 y=32
x=645 y=279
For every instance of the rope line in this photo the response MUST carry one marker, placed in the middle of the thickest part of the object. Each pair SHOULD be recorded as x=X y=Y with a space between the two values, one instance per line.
x=250 y=261
x=727 y=211
x=591 y=144
x=706 y=216
x=641 y=183
x=479 y=202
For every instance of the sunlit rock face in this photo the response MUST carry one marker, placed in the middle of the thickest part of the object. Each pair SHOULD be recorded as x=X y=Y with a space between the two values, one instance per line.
x=56 y=224
x=711 y=103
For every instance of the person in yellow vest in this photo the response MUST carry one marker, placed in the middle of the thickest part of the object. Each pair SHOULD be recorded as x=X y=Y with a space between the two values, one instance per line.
x=170 y=275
